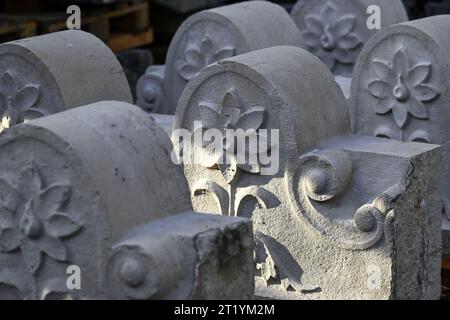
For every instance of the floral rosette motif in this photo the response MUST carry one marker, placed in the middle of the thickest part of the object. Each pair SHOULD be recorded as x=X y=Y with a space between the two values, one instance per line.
x=402 y=88
x=199 y=55
x=331 y=37
x=32 y=219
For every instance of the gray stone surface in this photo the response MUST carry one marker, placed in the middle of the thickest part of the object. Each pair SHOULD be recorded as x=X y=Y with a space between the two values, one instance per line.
x=73 y=183
x=186 y=256
x=54 y=72
x=400 y=90
x=345 y=216
x=208 y=37
x=336 y=30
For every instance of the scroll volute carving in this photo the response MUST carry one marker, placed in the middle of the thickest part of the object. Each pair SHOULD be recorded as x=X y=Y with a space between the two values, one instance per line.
x=321 y=179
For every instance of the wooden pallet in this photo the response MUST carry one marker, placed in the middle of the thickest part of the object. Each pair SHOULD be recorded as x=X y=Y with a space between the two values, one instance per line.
x=122 y=26
x=446 y=263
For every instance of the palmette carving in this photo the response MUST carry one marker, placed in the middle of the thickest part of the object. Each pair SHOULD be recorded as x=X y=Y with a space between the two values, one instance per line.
x=231 y=114
x=275 y=264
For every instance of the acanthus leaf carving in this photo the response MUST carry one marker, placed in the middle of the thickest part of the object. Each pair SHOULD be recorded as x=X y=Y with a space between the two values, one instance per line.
x=275 y=264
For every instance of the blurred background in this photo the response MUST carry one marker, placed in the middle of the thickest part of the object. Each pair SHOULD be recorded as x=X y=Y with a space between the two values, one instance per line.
x=138 y=31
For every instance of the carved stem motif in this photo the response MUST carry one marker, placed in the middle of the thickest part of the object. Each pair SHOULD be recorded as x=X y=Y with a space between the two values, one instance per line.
x=232 y=115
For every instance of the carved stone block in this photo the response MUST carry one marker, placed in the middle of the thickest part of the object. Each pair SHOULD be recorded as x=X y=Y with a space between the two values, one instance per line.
x=54 y=72
x=210 y=36
x=400 y=90
x=343 y=216
x=186 y=256
x=336 y=30
x=72 y=184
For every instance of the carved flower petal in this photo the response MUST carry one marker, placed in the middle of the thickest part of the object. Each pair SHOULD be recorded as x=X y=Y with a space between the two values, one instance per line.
x=223 y=54
x=400 y=114
x=379 y=89
x=384 y=72
x=26 y=97
x=419 y=73
x=383 y=108
x=54 y=248
x=314 y=24
x=343 y=56
x=9 y=239
x=311 y=39
x=9 y=197
x=51 y=200
x=350 y=42
x=30 y=182
x=194 y=58
x=206 y=47
x=231 y=111
x=425 y=93
x=31 y=255
x=328 y=12
x=400 y=63
x=209 y=112
x=344 y=25
x=252 y=118
x=62 y=225
x=417 y=109
x=8 y=84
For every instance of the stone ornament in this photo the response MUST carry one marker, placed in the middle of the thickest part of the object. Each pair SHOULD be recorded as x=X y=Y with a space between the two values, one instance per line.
x=336 y=30
x=402 y=88
x=337 y=204
x=116 y=207
x=54 y=72
x=398 y=91
x=210 y=36
x=65 y=202
x=185 y=256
